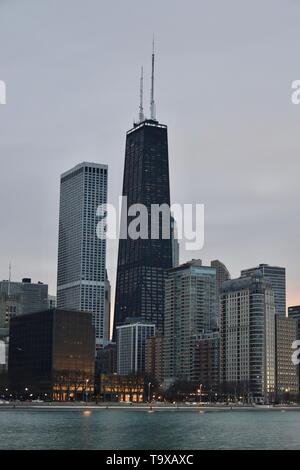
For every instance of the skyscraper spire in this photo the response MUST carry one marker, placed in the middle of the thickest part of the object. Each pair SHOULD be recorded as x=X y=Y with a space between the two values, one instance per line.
x=141 y=112
x=152 y=102
x=9 y=279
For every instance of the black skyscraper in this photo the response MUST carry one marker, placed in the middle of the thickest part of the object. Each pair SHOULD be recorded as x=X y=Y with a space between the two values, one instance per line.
x=142 y=263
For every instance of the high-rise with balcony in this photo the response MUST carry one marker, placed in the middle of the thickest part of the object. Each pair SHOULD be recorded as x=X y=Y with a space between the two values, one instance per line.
x=81 y=253
x=190 y=310
x=247 y=337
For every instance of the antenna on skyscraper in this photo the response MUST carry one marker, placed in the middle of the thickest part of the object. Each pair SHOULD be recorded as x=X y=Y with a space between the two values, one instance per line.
x=9 y=278
x=141 y=113
x=152 y=102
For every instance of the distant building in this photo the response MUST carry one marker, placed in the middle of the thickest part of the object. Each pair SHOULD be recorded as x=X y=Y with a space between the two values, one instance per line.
x=52 y=303
x=131 y=343
x=20 y=298
x=277 y=276
x=154 y=358
x=207 y=361
x=190 y=310
x=222 y=275
x=81 y=254
x=247 y=337
x=106 y=359
x=52 y=353
x=287 y=379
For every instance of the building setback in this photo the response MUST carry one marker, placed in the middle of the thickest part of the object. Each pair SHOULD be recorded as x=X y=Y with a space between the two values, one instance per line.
x=131 y=343
x=81 y=253
x=277 y=277
x=190 y=310
x=287 y=379
x=52 y=353
x=247 y=337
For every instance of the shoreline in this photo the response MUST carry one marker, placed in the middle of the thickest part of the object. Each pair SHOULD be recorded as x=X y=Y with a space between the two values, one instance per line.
x=141 y=407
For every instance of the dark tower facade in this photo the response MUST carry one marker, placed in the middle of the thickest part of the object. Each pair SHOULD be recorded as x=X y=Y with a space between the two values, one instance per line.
x=142 y=263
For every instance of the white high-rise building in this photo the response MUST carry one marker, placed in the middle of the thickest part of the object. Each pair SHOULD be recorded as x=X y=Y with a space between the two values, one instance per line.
x=247 y=332
x=81 y=254
x=131 y=347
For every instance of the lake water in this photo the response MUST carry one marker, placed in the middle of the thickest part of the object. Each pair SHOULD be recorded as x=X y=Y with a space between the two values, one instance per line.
x=137 y=430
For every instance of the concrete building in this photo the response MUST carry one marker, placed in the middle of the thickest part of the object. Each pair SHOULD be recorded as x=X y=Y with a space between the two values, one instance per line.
x=277 y=277
x=52 y=354
x=4 y=342
x=287 y=378
x=247 y=337
x=52 y=302
x=154 y=358
x=207 y=362
x=131 y=343
x=81 y=253
x=190 y=310
x=20 y=298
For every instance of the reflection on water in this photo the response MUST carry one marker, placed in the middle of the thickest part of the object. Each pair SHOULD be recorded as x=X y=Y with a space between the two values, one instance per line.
x=108 y=429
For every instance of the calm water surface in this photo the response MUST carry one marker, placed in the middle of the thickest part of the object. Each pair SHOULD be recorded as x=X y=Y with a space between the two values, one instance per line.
x=113 y=430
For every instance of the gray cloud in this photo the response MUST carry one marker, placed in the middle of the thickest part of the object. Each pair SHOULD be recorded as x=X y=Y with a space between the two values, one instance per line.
x=224 y=71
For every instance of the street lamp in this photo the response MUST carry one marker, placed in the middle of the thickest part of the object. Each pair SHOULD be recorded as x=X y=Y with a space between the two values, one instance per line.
x=86 y=393
x=149 y=392
x=200 y=393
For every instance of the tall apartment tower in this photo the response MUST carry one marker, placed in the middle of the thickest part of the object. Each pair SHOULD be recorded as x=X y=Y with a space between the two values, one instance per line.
x=190 y=310
x=287 y=378
x=247 y=337
x=143 y=263
x=81 y=254
x=277 y=277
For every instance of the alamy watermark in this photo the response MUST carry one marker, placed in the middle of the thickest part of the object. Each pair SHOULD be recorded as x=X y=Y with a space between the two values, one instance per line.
x=296 y=353
x=2 y=92
x=138 y=221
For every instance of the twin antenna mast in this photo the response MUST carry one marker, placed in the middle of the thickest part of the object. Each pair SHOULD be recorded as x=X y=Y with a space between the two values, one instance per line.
x=152 y=101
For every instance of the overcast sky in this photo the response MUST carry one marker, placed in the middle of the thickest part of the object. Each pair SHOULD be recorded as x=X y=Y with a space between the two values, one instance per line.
x=223 y=87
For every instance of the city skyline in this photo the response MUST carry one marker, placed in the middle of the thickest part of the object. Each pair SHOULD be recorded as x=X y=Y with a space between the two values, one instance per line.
x=237 y=205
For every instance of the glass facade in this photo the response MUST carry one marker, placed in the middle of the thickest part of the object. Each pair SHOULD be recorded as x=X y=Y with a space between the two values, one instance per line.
x=142 y=263
x=52 y=353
